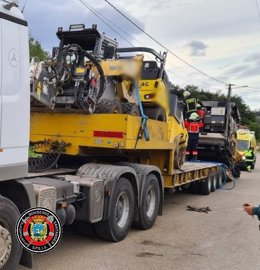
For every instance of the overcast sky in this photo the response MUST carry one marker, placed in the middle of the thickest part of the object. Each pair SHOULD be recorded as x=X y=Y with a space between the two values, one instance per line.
x=219 y=37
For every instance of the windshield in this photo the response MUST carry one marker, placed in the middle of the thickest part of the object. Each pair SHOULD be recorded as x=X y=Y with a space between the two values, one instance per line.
x=242 y=145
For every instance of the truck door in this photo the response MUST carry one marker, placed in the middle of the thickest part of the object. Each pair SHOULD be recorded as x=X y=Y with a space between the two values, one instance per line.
x=15 y=94
x=1 y=68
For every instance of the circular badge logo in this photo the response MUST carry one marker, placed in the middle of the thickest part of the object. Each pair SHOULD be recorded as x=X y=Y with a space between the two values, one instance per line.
x=38 y=230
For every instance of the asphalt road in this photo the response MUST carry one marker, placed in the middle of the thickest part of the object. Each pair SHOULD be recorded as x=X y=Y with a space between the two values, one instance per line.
x=226 y=238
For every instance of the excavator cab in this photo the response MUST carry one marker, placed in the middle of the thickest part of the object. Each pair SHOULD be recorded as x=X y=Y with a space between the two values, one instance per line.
x=89 y=39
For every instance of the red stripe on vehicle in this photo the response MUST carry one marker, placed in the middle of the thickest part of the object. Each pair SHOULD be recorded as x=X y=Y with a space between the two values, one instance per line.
x=108 y=134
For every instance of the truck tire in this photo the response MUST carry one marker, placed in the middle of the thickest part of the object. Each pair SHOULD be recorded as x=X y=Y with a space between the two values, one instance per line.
x=236 y=171
x=149 y=207
x=84 y=228
x=117 y=226
x=213 y=182
x=220 y=177
x=205 y=186
x=195 y=187
x=155 y=114
x=11 y=252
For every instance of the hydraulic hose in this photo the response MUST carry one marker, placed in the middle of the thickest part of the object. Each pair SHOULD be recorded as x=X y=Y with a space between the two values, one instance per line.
x=101 y=73
x=224 y=168
x=61 y=59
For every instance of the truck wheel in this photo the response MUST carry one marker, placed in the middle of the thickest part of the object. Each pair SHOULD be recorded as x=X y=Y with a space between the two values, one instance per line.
x=236 y=171
x=116 y=227
x=150 y=203
x=11 y=250
x=213 y=182
x=195 y=187
x=84 y=228
x=220 y=178
x=205 y=186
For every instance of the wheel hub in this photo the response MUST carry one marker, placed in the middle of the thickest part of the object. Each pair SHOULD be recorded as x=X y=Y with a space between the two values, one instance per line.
x=119 y=209
x=122 y=209
x=5 y=246
x=209 y=183
x=214 y=181
x=150 y=202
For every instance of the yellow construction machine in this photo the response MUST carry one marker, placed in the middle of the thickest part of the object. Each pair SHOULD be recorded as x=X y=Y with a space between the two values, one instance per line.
x=84 y=75
x=154 y=83
x=158 y=101
x=94 y=102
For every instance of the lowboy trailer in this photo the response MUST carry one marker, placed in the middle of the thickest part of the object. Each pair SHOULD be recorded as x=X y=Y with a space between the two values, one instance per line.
x=109 y=173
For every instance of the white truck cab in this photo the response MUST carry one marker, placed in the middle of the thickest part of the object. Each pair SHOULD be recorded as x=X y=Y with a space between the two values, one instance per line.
x=14 y=92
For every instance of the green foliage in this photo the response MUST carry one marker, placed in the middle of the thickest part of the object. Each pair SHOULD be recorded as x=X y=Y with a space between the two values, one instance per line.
x=37 y=50
x=248 y=117
x=258 y=122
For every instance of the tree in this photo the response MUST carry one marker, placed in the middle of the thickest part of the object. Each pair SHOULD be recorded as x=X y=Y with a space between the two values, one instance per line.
x=36 y=50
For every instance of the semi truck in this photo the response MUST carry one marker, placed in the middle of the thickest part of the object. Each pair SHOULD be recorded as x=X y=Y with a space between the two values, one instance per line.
x=105 y=168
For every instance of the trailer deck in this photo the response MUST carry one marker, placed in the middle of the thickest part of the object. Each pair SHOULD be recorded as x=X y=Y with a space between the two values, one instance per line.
x=190 y=172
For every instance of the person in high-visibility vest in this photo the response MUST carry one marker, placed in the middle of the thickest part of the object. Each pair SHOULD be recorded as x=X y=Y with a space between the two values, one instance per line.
x=250 y=156
x=191 y=103
x=193 y=126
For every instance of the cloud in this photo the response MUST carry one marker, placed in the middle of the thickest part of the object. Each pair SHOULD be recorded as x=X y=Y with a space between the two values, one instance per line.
x=198 y=48
x=250 y=72
x=236 y=70
x=163 y=4
x=248 y=67
x=253 y=57
x=44 y=18
x=226 y=44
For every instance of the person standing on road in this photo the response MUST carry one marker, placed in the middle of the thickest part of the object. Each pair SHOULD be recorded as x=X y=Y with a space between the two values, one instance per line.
x=252 y=210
